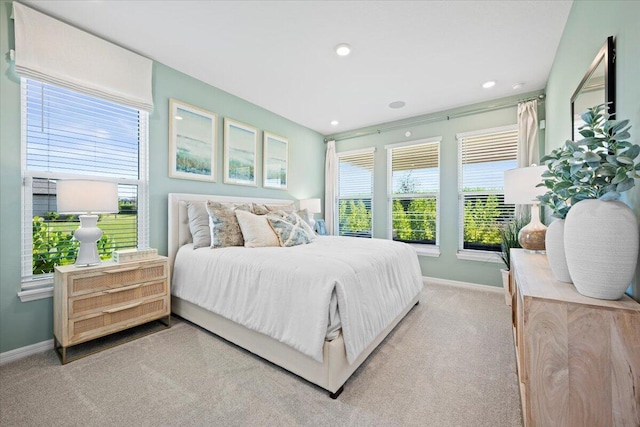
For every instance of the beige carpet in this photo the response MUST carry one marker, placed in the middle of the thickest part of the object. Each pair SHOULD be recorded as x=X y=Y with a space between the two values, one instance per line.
x=449 y=363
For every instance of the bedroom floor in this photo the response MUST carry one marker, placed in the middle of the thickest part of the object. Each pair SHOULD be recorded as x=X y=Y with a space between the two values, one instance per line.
x=449 y=363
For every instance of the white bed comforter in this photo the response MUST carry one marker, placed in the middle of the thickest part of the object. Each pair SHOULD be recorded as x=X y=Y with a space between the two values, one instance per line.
x=285 y=292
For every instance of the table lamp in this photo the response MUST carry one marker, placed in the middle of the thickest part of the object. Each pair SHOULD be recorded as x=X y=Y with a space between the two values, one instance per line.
x=87 y=198
x=313 y=207
x=520 y=188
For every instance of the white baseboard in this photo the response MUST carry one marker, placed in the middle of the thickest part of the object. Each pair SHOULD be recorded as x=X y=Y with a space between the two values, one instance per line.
x=456 y=283
x=19 y=353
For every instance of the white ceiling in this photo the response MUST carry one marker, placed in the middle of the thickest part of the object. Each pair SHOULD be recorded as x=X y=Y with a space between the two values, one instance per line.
x=433 y=55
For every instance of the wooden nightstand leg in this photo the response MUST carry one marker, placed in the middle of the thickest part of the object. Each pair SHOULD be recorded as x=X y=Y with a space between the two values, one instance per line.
x=166 y=321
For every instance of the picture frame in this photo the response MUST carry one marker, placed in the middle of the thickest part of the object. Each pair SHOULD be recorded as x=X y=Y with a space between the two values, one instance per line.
x=321 y=228
x=240 y=152
x=275 y=155
x=193 y=134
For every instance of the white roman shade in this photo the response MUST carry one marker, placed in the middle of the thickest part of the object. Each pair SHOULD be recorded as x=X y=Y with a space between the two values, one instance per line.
x=53 y=52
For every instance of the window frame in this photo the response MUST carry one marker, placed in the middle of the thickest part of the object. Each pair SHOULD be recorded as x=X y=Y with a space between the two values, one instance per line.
x=41 y=286
x=425 y=249
x=476 y=254
x=371 y=150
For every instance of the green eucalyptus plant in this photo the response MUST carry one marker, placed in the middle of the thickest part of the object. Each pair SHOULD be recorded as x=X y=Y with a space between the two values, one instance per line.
x=600 y=166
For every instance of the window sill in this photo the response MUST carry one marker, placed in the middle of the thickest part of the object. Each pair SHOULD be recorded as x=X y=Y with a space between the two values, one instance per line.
x=35 y=289
x=426 y=250
x=35 y=294
x=480 y=256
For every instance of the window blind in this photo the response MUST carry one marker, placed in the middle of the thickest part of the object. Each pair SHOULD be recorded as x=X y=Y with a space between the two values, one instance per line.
x=355 y=193
x=484 y=156
x=54 y=52
x=414 y=191
x=72 y=135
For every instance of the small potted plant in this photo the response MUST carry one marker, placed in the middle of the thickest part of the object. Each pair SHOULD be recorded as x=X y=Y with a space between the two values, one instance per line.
x=584 y=180
x=509 y=239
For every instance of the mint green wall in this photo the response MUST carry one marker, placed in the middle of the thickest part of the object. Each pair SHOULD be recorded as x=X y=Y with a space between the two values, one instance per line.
x=22 y=324
x=588 y=26
x=447 y=266
x=306 y=147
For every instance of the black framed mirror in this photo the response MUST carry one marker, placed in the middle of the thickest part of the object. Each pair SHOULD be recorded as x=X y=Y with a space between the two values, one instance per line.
x=598 y=86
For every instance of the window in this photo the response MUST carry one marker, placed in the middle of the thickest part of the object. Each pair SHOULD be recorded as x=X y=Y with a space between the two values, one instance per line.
x=483 y=158
x=355 y=193
x=69 y=135
x=414 y=187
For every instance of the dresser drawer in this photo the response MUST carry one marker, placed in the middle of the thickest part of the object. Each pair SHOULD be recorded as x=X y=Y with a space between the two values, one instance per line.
x=99 y=301
x=115 y=318
x=116 y=277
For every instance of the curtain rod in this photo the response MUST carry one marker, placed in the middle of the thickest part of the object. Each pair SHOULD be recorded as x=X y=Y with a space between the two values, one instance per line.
x=437 y=118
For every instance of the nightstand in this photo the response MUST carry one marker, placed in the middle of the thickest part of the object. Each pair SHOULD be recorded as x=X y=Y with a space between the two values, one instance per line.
x=91 y=302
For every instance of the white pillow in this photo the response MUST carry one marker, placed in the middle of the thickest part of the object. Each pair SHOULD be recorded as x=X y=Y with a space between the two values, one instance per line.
x=256 y=230
x=199 y=224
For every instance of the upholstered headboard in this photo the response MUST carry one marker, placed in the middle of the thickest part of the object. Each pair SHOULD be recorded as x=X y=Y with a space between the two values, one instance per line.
x=179 y=233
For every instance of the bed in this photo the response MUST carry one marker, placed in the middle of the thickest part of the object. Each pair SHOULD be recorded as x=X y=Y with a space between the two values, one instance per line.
x=331 y=273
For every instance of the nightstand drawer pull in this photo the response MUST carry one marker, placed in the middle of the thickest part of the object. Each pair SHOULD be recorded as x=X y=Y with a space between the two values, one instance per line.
x=126 y=288
x=126 y=307
x=121 y=270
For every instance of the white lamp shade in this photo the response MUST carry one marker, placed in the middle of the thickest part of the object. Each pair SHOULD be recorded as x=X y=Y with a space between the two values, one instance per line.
x=520 y=185
x=311 y=205
x=75 y=196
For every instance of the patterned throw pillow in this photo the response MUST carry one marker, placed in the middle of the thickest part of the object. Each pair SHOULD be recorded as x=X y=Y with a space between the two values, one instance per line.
x=199 y=224
x=261 y=209
x=302 y=215
x=225 y=230
x=289 y=229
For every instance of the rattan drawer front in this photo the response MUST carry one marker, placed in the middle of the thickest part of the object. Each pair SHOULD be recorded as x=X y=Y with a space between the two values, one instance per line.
x=113 y=319
x=79 y=306
x=115 y=278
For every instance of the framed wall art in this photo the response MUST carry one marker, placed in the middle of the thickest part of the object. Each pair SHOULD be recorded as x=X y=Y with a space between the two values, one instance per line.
x=240 y=147
x=192 y=142
x=276 y=161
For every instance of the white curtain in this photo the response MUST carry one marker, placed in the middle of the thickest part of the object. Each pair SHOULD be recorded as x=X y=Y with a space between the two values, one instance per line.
x=528 y=147
x=331 y=180
x=53 y=52
x=528 y=152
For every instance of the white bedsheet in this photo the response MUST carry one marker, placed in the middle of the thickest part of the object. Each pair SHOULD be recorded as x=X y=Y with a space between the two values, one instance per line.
x=285 y=293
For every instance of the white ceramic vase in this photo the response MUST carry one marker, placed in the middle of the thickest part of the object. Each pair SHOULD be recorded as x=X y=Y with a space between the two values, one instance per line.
x=601 y=246
x=554 y=242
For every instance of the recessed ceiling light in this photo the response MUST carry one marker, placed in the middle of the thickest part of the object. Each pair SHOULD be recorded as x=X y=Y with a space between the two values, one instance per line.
x=178 y=117
x=397 y=104
x=488 y=84
x=334 y=123
x=343 y=49
x=518 y=85
x=407 y=133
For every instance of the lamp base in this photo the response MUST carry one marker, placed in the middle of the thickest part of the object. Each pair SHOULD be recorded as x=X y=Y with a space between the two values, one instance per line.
x=532 y=240
x=532 y=236
x=88 y=235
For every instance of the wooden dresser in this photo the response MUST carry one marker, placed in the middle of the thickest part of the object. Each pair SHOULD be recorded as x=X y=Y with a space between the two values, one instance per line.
x=91 y=302
x=578 y=357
